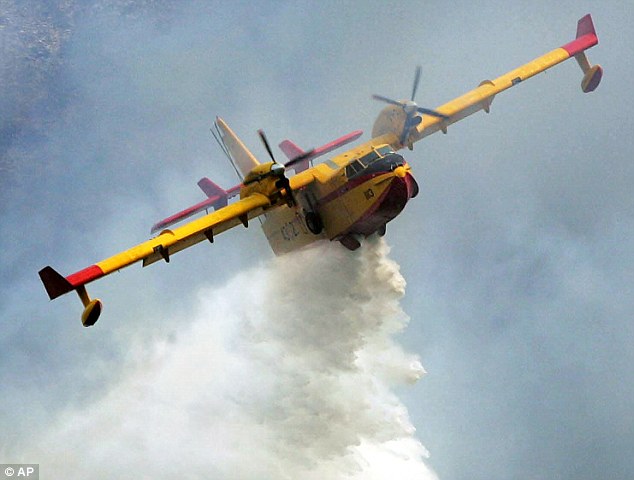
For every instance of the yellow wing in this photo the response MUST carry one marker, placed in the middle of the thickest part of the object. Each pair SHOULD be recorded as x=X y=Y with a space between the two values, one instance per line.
x=204 y=228
x=391 y=121
x=158 y=248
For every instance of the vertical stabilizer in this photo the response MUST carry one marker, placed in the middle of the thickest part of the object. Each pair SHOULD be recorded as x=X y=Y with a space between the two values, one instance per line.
x=241 y=156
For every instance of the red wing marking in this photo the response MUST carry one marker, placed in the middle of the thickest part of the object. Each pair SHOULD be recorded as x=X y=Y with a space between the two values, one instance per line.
x=586 y=37
x=84 y=276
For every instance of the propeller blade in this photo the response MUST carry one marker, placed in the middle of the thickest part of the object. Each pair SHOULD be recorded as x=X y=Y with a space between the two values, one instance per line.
x=405 y=132
x=410 y=108
x=433 y=113
x=299 y=158
x=266 y=144
x=387 y=100
x=416 y=81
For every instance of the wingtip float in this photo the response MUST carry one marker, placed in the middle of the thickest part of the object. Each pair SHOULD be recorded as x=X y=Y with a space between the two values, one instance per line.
x=346 y=198
x=56 y=285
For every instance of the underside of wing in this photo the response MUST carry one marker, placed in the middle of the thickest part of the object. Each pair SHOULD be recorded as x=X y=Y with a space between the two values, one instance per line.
x=205 y=228
x=162 y=246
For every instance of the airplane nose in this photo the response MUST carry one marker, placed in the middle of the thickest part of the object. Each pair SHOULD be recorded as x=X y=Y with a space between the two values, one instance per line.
x=400 y=171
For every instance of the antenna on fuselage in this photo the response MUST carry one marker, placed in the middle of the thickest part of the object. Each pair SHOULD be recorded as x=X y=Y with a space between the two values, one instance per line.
x=215 y=131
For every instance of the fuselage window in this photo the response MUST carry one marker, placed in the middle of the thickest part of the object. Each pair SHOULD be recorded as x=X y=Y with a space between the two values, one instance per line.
x=374 y=155
x=385 y=150
x=354 y=168
x=369 y=158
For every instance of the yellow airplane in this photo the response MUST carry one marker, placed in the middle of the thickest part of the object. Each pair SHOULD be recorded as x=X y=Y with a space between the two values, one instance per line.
x=346 y=198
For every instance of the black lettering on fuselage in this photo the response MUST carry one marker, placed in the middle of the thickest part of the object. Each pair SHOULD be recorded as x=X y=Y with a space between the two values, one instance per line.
x=293 y=228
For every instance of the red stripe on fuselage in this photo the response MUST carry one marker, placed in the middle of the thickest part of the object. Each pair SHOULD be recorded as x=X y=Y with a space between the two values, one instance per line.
x=350 y=184
x=386 y=207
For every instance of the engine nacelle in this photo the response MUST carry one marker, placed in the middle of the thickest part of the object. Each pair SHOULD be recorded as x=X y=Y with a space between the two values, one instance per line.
x=390 y=120
x=267 y=179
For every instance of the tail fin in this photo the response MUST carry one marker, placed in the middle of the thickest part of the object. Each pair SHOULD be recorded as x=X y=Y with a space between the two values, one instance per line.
x=240 y=154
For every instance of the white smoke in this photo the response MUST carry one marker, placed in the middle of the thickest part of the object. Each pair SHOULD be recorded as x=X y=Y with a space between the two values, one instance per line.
x=285 y=373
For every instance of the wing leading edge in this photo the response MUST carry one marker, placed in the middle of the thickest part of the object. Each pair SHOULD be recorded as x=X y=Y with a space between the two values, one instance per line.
x=158 y=248
x=480 y=98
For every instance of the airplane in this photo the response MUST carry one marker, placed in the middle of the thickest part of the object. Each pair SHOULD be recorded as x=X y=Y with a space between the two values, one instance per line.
x=345 y=198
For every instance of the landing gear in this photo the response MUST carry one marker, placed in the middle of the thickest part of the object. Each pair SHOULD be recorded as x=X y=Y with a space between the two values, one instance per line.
x=381 y=231
x=284 y=183
x=314 y=223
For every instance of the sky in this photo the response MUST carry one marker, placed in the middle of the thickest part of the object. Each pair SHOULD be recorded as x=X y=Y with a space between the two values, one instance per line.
x=517 y=253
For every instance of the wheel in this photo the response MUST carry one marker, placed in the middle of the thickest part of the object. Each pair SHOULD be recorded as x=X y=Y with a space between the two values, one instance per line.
x=314 y=223
x=381 y=230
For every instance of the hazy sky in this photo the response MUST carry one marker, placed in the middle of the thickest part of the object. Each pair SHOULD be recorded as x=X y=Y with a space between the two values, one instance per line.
x=518 y=252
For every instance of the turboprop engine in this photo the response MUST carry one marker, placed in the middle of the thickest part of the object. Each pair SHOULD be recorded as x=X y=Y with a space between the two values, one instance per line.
x=268 y=179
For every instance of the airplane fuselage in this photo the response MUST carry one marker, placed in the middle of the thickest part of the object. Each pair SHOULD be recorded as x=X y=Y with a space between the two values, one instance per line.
x=350 y=199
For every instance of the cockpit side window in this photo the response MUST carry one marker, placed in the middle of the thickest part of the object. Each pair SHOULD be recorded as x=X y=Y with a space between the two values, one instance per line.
x=369 y=158
x=361 y=164
x=374 y=155
x=354 y=168
x=385 y=150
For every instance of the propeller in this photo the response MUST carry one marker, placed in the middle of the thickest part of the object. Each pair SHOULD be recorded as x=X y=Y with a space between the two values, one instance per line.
x=290 y=163
x=266 y=144
x=299 y=158
x=410 y=108
x=279 y=170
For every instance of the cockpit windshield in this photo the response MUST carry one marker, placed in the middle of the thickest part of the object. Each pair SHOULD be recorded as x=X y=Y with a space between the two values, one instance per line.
x=357 y=166
x=374 y=155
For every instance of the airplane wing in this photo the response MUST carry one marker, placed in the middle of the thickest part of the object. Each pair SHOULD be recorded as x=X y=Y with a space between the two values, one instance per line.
x=392 y=118
x=158 y=248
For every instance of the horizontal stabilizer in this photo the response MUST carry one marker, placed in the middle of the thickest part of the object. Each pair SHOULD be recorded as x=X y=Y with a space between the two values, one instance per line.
x=210 y=188
x=292 y=151
x=188 y=212
x=217 y=197
x=54 y=283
